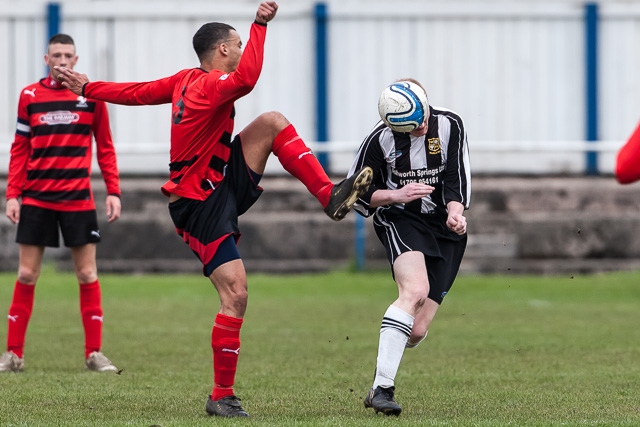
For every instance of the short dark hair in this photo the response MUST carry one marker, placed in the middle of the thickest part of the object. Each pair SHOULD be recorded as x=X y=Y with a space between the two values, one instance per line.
x=412 y=80
x=61 y=39
x=209 y=36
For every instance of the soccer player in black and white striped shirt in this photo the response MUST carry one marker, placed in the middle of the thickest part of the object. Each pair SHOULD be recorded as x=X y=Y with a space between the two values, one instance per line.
x=420 y=190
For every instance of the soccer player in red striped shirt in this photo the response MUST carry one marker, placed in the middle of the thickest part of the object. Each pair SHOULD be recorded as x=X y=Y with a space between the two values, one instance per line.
x=627 y=167
x=214 y=177
x=50 y=172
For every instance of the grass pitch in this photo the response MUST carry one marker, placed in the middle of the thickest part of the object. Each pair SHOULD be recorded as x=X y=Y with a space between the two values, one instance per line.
x=503 y=350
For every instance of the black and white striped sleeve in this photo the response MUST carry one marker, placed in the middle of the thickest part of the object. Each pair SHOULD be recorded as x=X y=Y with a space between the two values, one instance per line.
x=370 y=154
x=457 y=182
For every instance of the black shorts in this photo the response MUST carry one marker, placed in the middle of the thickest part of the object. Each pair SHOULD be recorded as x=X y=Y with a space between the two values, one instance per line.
x=203 y=225
x=401 y=231
x=39 y=227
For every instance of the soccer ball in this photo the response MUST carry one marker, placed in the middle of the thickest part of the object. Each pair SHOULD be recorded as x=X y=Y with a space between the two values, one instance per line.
x=403 y=106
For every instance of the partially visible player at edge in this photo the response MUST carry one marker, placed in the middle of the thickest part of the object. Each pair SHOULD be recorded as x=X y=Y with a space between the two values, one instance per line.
x=627 y=167
x=50 y=171
x=214 y=178
x=420 y=190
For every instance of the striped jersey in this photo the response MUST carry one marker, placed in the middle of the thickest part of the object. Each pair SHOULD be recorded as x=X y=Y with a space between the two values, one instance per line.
x=202 y=115
x=51 y=155
x=440 y=159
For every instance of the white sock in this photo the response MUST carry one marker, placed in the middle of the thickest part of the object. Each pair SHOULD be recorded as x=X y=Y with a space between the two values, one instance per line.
x=394 y=334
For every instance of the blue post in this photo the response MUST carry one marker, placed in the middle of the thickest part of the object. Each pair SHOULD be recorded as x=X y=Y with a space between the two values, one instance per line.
x=360 y=246
x=321 y=15
x=591 y=55
x=53 y=25
x=53 y=19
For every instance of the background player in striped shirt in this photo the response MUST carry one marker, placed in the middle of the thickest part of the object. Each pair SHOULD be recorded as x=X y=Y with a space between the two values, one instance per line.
x=50 y=171
x=420 y=189
x=213 y=177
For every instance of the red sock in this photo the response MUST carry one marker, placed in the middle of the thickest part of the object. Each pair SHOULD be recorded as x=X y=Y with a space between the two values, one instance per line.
x=299 y=161
x=91 y=311
x=628 y=159
x=19 y=315
x=225 y=342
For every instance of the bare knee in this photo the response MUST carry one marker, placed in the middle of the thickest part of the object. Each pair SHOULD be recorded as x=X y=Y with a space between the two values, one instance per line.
x=235 y=303
x=268 y=125
x=419 y=301
x=240 y=302
x=416 y=296
x=233 y=297
x=273 y=120
x=28 y=275
x=86 y=274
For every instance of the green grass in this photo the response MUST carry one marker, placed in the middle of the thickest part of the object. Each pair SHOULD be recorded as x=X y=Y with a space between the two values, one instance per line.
x=503 y=350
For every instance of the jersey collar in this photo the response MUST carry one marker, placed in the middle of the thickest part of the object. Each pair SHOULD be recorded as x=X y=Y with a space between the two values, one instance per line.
x=51 y=83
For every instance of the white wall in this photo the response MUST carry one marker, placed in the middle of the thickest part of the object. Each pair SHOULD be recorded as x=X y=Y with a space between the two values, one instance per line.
x=513 y=69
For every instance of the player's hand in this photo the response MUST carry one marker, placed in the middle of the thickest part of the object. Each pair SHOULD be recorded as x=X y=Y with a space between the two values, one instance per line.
x=457 y=223
x=411 y=192
x=266 y=12
x=72 y=80
x=13 y=210
x=113 y=208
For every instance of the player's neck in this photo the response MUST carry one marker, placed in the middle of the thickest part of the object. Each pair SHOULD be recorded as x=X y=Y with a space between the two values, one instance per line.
x=215 y=65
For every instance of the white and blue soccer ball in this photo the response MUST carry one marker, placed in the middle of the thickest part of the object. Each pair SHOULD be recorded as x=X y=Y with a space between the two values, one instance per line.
x=403 y=106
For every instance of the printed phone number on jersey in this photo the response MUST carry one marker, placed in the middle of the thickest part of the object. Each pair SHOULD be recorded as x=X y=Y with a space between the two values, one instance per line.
x=424 y=176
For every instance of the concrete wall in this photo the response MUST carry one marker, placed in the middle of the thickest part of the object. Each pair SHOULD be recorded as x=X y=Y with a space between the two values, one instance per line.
x=524 y=225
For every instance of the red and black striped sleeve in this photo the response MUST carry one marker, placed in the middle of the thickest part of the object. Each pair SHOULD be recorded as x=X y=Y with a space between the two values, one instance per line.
x=105 y=150
x=20 y=151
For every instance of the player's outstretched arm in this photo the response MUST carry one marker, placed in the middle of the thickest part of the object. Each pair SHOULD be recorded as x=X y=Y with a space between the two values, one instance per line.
x=72 y=80
x=406 y=194
x=266 y=12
